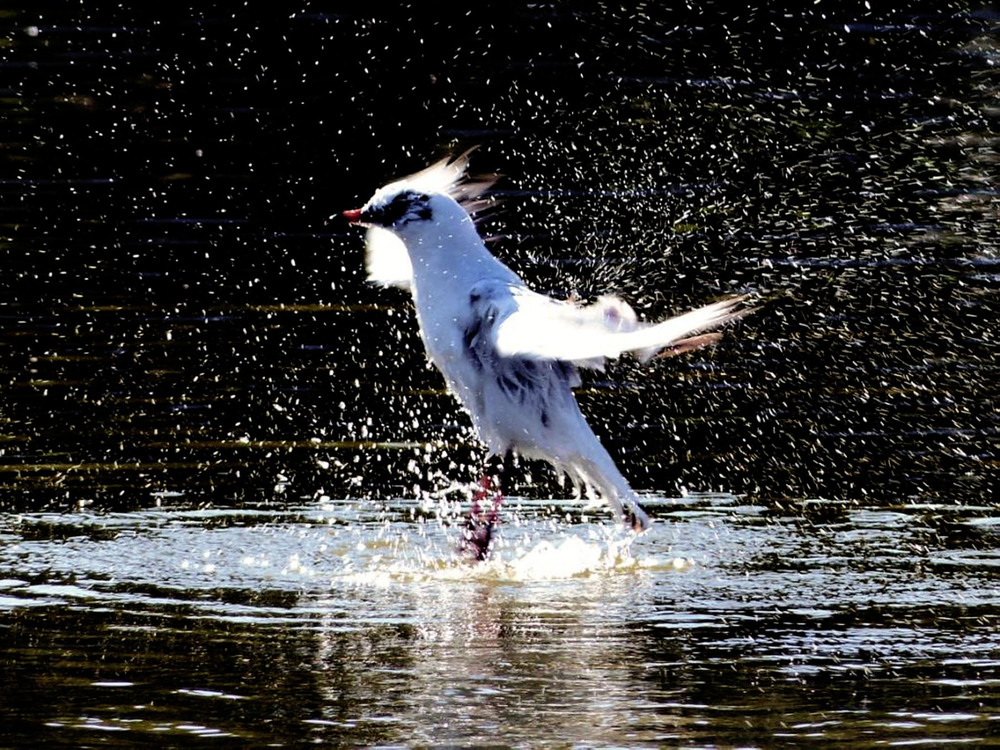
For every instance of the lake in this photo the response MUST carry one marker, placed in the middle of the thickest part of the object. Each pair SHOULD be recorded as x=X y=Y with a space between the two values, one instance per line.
x=231 y=489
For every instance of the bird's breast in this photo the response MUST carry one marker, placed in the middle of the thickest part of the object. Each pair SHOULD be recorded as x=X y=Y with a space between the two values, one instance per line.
x=441 y=324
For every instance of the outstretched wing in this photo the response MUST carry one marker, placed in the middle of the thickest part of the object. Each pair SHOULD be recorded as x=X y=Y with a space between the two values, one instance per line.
x=386 y=259
x=534 y=326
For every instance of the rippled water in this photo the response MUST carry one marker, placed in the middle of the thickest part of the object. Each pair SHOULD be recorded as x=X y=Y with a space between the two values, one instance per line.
x=727 y=624
x=230 y=490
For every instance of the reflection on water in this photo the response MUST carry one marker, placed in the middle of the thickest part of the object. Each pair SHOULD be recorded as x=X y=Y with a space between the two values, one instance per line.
x=726 y=624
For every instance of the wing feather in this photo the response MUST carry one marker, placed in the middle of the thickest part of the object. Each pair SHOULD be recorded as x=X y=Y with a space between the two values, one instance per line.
x=386 y=259
x=542 y=328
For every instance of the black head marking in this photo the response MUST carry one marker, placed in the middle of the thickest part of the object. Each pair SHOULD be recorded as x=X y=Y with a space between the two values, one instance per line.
x=405 y=206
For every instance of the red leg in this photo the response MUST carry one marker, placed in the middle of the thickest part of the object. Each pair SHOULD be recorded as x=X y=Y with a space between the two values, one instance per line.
x=479 y=528
x=488 y=489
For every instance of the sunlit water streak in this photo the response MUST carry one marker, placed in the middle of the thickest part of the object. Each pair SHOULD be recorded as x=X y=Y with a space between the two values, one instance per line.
x=303 y=549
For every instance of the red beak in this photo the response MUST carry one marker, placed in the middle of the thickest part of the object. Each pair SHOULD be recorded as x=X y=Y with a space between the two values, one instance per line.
x=353 y=216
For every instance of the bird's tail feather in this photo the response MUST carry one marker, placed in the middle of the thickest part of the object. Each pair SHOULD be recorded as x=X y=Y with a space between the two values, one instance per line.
x=678 y=334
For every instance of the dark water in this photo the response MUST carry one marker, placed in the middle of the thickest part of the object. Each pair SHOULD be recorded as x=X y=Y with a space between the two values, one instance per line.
x=228 y=483
x=728 y=625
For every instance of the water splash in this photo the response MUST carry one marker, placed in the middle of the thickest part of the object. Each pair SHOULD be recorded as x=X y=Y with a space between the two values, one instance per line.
x=528 y=549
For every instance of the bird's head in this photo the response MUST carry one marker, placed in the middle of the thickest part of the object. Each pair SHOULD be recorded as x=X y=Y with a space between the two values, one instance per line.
x=441 y=193
x=419 y=215
x=396 y=206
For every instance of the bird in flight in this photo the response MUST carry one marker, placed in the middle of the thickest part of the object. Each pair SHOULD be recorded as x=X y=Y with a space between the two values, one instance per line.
x=511 y=355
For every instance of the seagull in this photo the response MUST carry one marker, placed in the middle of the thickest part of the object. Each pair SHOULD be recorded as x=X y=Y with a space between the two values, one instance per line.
x=510 y=355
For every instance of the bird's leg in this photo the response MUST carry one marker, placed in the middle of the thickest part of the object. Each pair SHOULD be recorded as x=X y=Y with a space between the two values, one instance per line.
x=489 y=495
x=485 y=514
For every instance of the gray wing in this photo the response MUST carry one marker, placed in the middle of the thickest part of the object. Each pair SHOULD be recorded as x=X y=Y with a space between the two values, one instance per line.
x=524 y=380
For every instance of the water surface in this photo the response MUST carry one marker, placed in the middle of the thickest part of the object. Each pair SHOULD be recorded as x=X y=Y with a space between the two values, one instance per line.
x=727 y=624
